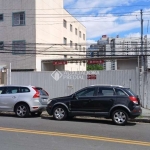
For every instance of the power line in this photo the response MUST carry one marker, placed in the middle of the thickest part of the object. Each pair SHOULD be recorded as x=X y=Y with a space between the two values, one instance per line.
x=85 y=14
x=82 y=15
x=121 y=43
x=70 y=51
x=83 y=7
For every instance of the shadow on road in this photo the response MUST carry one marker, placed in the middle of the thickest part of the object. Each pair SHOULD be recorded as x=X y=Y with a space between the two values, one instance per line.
x=76 y=119
x=89 y=120
x=12 y=115
x=7 y=115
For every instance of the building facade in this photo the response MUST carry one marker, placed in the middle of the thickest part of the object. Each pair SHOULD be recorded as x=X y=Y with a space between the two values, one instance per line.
x=32 y=31
x=120 y=47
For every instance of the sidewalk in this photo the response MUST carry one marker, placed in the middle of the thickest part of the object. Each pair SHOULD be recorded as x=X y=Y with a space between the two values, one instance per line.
x=145 y=117
x=145 y=112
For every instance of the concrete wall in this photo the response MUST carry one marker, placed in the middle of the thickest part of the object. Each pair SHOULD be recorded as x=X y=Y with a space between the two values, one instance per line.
x=127 y=64
x=50 y=29
x=43 y=24
x=9 y=33
x=51 y=67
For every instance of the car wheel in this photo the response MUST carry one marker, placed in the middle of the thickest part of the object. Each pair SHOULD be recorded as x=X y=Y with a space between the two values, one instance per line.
x=22 y=110
x=120 y=117
x=36 y=114
x=60 y=113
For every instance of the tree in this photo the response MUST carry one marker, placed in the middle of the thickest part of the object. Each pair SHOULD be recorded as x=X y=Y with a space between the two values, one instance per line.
x=94 y=67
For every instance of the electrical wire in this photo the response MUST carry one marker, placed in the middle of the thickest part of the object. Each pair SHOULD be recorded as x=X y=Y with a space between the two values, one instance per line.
x=84 y=7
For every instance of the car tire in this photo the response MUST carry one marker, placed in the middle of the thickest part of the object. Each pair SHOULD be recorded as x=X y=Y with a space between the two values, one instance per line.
x=120 y=117
x=36 y=114
x=22 y=110
x=60 y=113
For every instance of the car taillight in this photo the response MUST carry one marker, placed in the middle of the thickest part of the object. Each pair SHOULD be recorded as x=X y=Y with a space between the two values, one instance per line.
x=37 y=94
x=133 y=99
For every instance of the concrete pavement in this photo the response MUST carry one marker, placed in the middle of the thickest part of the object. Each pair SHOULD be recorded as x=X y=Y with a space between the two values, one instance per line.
x=145 y=112
x=38 y=133
x=145 y=117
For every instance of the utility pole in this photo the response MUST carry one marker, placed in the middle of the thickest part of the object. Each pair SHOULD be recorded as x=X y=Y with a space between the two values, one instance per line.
x=142 y=54
x=10 y=74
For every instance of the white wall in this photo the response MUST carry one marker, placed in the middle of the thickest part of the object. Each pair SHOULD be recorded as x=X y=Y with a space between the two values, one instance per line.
x=9 y=33
x=50 y=30
x=127 y=64
x=44 y=24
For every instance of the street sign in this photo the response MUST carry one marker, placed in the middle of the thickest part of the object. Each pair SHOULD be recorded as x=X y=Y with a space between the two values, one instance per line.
x=59 y=62
x=91 y=76
x=95 y=62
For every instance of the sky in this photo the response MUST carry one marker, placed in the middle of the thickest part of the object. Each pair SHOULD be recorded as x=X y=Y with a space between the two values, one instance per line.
x=111 y=17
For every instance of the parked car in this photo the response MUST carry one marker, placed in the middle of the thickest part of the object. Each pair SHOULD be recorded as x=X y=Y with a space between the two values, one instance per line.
x=115 y=102
x=23 y=100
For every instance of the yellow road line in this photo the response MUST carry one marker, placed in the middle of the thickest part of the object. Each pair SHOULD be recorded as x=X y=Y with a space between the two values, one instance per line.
x=79 y=136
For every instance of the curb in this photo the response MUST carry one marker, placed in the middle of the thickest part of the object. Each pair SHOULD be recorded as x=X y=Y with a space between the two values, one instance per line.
x=142 y=120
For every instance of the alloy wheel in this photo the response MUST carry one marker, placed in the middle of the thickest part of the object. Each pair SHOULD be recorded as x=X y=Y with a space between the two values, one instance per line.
x=120 y=117
x=22 y=110
x=59 y=113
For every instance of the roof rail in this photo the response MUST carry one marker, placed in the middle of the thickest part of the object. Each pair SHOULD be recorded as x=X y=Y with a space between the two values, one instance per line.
x=106 y=85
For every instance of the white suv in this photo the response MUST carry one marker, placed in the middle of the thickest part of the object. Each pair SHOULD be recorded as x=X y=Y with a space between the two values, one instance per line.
x=23 y=100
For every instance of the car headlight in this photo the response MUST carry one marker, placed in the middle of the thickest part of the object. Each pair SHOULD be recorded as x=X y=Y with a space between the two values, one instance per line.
x=49 y=101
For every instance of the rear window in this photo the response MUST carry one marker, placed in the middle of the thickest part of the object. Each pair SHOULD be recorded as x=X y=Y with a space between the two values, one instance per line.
x=24 y=90
x=120 y=92
x=130 y=92
x=42 y=92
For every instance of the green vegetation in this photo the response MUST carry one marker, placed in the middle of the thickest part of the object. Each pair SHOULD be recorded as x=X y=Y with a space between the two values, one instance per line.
x=94 y=67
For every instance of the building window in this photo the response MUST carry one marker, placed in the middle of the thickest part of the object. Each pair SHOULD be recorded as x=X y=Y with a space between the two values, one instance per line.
x=65 y=23
x=76 y=32
x=18 y=47
x=83 y=36
x=80 y=34
x=71 y=27
x=18 y=19
x=80 y=47
x=1 y=45
x=76 y=46
x=70 y=43
x=83 y=49
x=65 y=41
x=84 y=63
x=104 y=66
x=1 y=17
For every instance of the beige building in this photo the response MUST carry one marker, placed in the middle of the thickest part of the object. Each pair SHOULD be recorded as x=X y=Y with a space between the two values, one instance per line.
x=32 y=31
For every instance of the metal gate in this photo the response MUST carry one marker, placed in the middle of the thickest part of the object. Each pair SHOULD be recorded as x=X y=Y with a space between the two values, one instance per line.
x=145 y=85
x=65 y=83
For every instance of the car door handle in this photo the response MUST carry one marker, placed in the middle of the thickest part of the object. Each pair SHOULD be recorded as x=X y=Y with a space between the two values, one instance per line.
x=14 y=97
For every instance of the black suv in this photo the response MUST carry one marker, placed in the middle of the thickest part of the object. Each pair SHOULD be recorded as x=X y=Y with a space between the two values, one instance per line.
x=115 y=102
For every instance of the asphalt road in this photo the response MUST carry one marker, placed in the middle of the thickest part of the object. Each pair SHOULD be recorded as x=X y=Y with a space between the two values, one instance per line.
x=44 y=133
